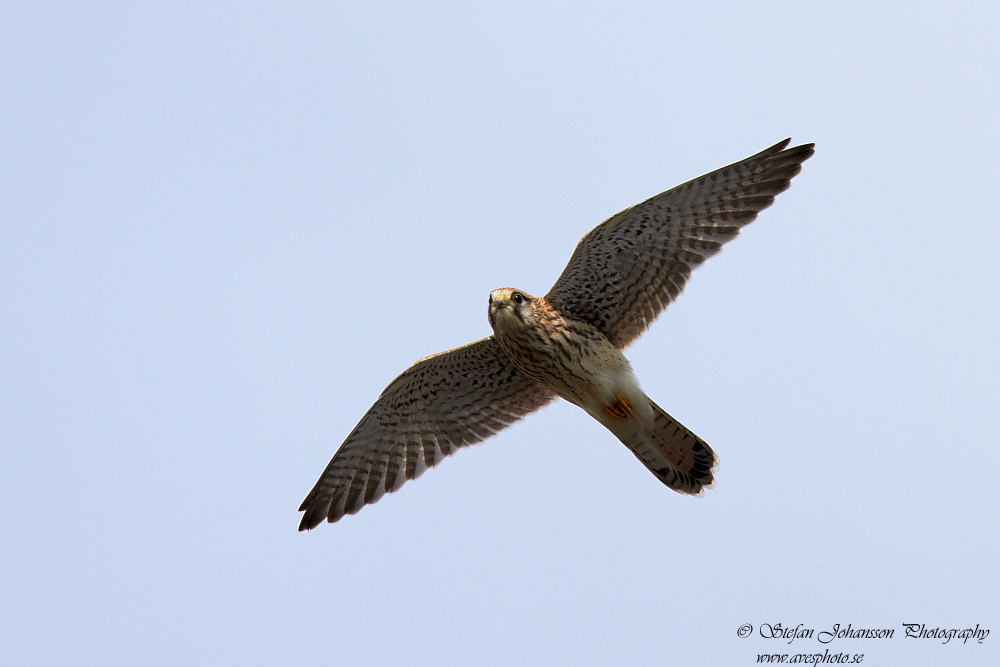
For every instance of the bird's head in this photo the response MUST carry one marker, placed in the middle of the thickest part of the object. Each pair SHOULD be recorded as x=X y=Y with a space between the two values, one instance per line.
x=509 y=308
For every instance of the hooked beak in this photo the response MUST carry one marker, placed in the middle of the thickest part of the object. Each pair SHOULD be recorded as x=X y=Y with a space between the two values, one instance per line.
x=498 y=304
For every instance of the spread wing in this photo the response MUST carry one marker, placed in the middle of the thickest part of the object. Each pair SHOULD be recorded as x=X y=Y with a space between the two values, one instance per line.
x=439 y=404
x=629 y=268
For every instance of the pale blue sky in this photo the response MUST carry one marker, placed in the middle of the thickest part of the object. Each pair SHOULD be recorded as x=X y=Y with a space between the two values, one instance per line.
x=224 y=228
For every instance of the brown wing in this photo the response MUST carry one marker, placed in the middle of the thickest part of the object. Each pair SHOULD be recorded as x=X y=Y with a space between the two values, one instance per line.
x=629 y=268
x=439 y=404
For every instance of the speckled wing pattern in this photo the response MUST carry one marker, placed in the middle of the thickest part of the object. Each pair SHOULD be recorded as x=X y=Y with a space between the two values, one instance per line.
x=436 y=406
x=629 y=268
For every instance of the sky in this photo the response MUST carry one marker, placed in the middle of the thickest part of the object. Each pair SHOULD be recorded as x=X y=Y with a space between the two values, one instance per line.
x=225 y=227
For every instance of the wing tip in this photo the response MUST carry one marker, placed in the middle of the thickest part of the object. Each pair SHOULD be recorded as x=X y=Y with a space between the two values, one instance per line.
x=316 y=511
x=778 y=147
x=309 y=521
x=800 y=153
x=796 y=154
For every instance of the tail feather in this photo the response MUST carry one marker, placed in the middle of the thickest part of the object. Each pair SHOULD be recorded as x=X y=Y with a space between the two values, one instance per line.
x=675 y=455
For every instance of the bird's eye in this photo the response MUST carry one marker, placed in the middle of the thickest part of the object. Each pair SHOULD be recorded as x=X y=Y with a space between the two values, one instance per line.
x=491 y=299
x=517 y=298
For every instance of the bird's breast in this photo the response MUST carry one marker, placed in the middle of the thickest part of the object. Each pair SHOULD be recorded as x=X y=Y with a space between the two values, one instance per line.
x=571 y=358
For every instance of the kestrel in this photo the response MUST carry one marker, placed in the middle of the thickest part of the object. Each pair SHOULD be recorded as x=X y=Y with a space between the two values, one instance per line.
x=567 y=343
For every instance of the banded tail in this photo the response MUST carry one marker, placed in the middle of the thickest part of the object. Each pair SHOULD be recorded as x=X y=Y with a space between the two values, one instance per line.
x=677 y=457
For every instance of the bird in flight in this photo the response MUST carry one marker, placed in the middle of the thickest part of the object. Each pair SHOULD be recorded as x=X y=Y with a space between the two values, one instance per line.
x=567 y=343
